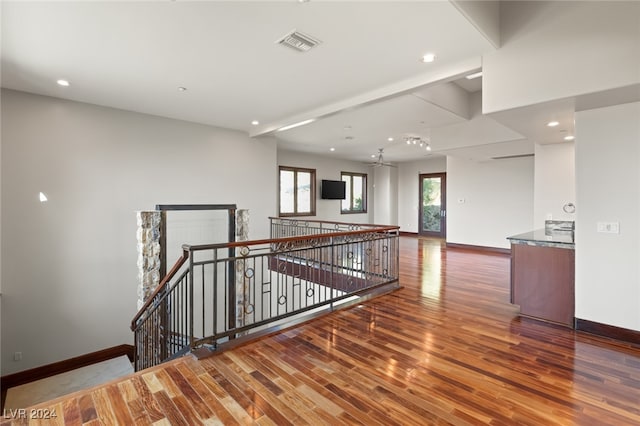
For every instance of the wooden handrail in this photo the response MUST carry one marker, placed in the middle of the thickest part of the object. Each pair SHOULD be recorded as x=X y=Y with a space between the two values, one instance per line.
x=161 y=285
x=288 y=239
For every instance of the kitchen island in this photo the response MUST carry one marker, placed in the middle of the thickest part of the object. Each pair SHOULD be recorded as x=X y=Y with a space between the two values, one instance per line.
x=543 y=275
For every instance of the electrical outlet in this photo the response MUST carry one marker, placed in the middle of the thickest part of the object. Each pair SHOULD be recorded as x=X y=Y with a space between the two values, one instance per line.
x=17 y=356
x=608 y=227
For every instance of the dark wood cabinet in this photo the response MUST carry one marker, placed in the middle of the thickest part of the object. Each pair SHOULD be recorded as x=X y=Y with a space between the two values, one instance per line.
x=543 y=282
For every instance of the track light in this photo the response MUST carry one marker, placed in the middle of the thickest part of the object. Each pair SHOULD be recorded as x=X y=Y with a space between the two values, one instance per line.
x=416 y=140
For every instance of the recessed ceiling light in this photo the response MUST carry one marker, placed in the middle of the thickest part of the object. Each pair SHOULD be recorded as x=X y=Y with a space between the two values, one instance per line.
x=182 y=89
x=428 y=147
x=64 y=83
x=553 y=123
x=332 y=149
x=43 y=197
x=474 y=75
x=255 y=122
x=373 y=156
x=390 y=139
x=429 y=57
x=569 y=138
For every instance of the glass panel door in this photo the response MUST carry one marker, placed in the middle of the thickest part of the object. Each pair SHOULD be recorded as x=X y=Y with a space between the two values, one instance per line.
x=432 y=218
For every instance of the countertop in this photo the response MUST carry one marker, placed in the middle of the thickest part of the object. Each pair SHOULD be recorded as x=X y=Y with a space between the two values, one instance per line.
x=540 y=237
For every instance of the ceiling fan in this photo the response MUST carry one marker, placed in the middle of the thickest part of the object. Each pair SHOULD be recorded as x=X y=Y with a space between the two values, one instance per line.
x=380 y=161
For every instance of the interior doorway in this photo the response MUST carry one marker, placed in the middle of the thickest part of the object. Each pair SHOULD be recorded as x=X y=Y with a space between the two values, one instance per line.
x=432 y=218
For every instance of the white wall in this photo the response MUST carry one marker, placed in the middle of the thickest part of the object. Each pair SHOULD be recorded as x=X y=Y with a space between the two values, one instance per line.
x=385 y=190
x=559 y=49
x=69 y=265
x=329 y=168
x=409 y=189
x=1 y=301
x=608 y=189
x=498 y=200
x=555 y=182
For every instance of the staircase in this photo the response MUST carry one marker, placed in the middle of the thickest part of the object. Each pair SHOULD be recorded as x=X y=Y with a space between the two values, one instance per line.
x=217 y=293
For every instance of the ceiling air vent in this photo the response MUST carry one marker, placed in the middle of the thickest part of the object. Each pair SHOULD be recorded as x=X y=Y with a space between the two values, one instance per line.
x=299 y=41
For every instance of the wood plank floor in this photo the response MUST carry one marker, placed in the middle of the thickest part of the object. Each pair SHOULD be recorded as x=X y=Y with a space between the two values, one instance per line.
x=448 y=348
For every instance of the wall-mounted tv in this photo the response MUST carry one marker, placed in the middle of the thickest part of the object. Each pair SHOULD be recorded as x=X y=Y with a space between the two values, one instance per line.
x=333 y=190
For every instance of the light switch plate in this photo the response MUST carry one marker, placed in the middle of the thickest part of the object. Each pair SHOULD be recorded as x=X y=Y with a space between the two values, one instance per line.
x=609 y=227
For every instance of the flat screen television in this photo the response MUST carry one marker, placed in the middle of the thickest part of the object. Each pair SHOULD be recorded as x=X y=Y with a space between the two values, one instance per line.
x=333 y=190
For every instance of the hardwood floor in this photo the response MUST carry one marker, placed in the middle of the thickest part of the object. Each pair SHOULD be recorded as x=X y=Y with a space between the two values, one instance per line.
x=448 y=348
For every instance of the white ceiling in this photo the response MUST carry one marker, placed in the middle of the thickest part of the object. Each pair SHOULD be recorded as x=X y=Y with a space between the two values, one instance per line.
x=366 y=74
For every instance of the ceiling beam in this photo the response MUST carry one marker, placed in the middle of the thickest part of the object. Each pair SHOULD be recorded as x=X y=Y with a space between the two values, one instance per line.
x=439 y=75
x=448 y=96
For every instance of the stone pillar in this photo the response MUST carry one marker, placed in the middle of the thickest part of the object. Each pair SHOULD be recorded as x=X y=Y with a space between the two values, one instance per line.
x=148 y=235
x=242 y=234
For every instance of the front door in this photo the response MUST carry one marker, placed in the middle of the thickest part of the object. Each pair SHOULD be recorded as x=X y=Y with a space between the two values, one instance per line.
x=433 y=207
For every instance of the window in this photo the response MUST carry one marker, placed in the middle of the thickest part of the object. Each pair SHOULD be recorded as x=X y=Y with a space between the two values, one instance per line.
x=356 y=193
x=297 y=191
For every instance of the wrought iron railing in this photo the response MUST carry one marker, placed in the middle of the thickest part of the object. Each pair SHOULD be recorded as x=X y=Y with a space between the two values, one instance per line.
x=286 y=227
x=218 y=292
